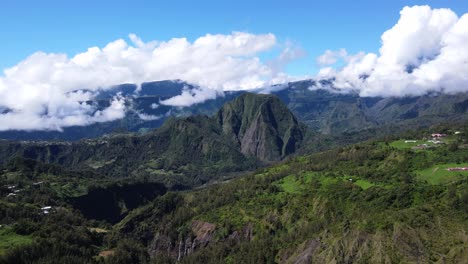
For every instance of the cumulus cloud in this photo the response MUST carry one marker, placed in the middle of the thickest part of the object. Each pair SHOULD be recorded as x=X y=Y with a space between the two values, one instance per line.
x=147 y=117
x=331 y=57
x=42 y=91
x=76 y=114
x=192 y=96
x=289 y=53
x=424 y=51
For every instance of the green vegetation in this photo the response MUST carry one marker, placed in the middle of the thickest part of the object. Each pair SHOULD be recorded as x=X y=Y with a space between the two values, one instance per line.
x=183 y=152
x=9 y=239
x=364 y=184
x=372 y=202
x=308 y=209
x=367 y=203
x=438 y=174
x=290 y=184
x=401 y=144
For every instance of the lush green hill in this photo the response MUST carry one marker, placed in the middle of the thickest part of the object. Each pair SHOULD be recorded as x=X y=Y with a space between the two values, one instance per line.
x=184 y=151
x=375 y=202
x=366 y=203
x=262 y=126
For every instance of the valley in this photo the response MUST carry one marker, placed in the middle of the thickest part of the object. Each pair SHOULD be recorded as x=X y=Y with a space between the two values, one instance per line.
x=131 y=198
x=234 y=132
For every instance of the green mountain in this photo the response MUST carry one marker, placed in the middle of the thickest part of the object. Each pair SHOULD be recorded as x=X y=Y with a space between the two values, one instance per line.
x=374 y=202
x=145 y=102
x=381 y=201
x=261 y=126
x=327 y=110
x=250 y=130
x=170 y=195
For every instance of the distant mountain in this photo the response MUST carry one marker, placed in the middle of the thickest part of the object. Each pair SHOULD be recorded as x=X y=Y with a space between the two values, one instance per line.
x=329 y=111
x=246 y=132
x=145 y=112
x=326 y=111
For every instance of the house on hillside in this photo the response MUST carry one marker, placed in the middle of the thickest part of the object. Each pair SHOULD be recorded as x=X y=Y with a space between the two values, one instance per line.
x=437 y=135
x=458 y=169
x=410 y=141
x=421 y=146
x=46 y=209
x=435 y=141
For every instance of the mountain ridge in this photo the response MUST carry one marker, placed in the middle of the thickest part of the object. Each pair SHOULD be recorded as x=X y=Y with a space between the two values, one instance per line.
x=196 y=148
x=253 y=129
x=326 y=111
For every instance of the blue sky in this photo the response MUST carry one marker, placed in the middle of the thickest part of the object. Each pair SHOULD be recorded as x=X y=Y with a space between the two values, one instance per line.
x=73 y=26
x=62 y=48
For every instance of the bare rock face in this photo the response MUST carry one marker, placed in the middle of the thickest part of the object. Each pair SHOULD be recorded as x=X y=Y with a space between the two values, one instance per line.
x=160 y=243
x=307 y=253
x=203 y=232
x=201 y=235
x=262 y=126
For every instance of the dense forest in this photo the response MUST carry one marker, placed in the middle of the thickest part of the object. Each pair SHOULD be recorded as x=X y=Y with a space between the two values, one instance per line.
x=389 y=200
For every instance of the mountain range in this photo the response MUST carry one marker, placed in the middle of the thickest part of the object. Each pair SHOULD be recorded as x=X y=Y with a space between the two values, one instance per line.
x=247 y=183
x=251 y=130
x=326 y=111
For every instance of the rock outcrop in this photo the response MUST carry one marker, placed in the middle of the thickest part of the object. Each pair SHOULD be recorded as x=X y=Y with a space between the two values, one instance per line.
x=200 y=236
x=262 y=126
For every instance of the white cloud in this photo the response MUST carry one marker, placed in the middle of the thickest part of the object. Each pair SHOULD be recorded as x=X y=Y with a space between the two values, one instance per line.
x=425 y=51
x=331 y=57
x=39 y=92
x=192 y=96
x=147 y=117
x=290 y=53
x=76 y=115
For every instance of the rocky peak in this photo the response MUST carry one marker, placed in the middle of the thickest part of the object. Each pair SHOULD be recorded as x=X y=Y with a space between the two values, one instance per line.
x=261 y=125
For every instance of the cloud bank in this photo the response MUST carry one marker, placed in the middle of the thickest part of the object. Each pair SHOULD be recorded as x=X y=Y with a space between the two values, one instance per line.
x=426 y=51
x=192 y=96
x=43 y=92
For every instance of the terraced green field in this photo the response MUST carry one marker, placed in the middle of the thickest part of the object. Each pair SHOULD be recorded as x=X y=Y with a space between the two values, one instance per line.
x=400 y=144
x=364 y=184
x=295 y=185
x=438 y=174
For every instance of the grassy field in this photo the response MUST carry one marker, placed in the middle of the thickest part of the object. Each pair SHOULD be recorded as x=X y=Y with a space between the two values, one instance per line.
x=364 y=184
x=400 y=144
x=295 y=185
x=438 y=174
x=290 y=184
x=9 y=239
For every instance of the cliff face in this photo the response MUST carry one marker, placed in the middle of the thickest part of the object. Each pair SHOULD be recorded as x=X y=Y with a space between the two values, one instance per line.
x=250 y=129
x=201 y=235
x=261 y=125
